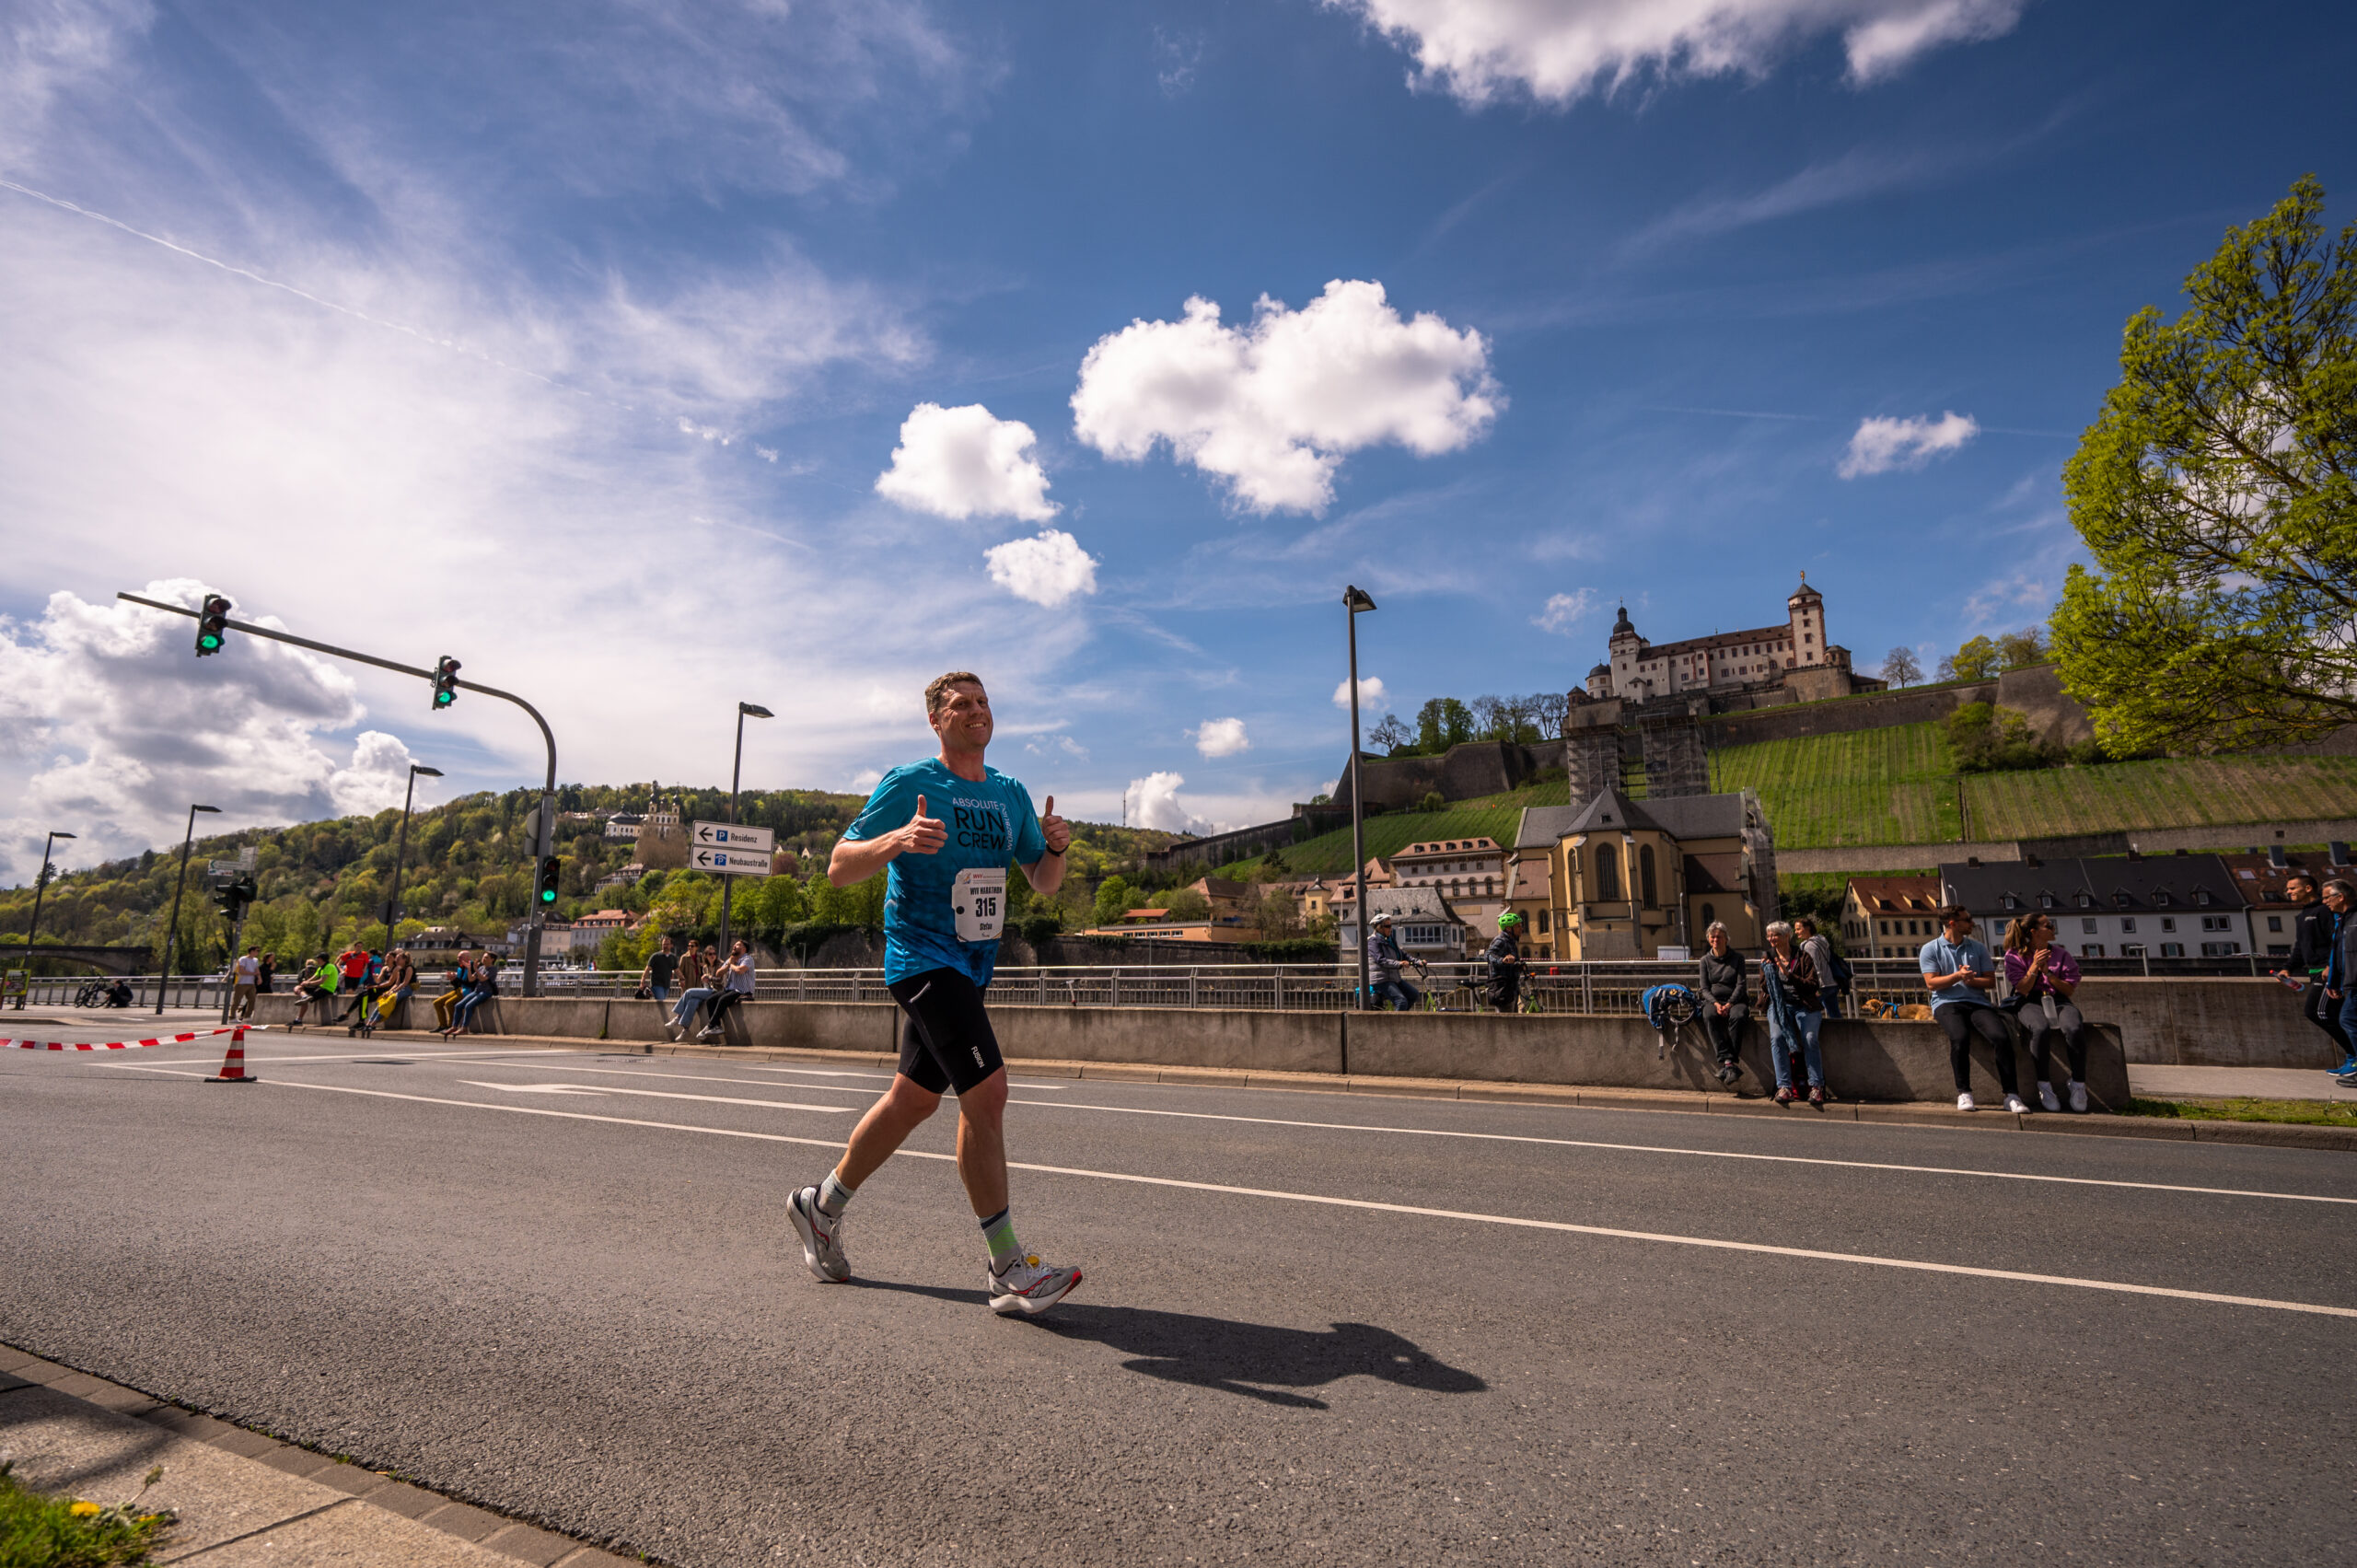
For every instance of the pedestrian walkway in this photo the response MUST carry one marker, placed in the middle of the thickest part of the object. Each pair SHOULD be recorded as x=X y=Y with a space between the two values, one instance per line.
x=2235 y=1083
x=241 y=1497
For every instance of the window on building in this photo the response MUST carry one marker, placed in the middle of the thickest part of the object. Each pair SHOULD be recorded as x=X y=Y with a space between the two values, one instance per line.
x=2274 y=922
x=2091 y=950
x=2161 y=897
x=2012 y=902
x=2172 y=949
x=1645 y=876
x=2088 y=926
x=2221 y=949
x=2168 y=923
x=2087 y=900
x=2046 y=901
x=2215 y=922
x=2128 y=924
x=1607 y=873
x=1708 y=914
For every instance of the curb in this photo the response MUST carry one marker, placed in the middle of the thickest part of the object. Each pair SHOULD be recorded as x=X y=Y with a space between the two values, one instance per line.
x=1920 y=1113
x=512 y=1540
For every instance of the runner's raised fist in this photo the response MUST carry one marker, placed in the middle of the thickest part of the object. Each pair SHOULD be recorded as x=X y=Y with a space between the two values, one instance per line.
x=924 y=835
x=1053 y=830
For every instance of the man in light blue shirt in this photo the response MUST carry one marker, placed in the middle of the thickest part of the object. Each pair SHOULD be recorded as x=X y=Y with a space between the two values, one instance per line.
x=1959 y=973
x=947 y=828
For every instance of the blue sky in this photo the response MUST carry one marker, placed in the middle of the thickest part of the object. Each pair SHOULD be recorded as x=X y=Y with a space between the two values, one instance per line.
x=580 y=356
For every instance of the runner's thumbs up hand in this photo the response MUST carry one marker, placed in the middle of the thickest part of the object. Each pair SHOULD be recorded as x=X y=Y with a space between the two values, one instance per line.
x=924 y=835
x=1053 y=829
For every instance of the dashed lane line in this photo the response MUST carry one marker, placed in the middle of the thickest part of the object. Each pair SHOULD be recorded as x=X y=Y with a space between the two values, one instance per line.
x=650 y=1094
x=1324 y=1200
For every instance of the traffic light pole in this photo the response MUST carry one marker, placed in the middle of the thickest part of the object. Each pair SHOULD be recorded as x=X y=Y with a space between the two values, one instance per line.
x=547 y=790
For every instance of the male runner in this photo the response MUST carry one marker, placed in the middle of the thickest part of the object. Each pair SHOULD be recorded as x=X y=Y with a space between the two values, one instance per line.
x=945 y=903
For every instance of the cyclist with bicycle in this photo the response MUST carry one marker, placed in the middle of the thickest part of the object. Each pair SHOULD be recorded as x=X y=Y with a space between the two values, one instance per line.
x=1384 y=959
x=1504 y=958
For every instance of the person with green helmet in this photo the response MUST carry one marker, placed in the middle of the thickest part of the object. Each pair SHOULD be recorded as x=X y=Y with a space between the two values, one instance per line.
x=1504 y=958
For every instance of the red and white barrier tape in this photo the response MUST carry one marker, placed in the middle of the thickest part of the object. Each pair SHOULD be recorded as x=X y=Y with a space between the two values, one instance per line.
x=126 y=1044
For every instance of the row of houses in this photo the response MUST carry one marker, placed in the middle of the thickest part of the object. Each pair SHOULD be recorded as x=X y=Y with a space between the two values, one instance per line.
x=2175 y=906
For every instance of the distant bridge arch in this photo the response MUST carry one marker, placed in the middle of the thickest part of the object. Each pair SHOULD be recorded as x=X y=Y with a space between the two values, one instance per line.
x=106 y=960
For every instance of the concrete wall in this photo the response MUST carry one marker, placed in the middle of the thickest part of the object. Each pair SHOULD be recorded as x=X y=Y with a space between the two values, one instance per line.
x=1464 y=772
x=2208 y=1023
x=1862 y=1060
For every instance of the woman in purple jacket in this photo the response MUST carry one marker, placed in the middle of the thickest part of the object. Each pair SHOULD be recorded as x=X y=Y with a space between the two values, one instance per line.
x=2038 y=970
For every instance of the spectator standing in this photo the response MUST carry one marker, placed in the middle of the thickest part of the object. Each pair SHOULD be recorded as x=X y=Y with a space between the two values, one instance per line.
x=2042 y=974
x=267 y=975
x=245 y=974
x=351 y=970
x=1383 y=960
x=737 y=979
x=1796 y=1012
x=1821 y=957
x=659 y=967
x=1725 y=986
x=2312 y=933
x=1959 y=975
x=1504 y=960
x=2340 y=968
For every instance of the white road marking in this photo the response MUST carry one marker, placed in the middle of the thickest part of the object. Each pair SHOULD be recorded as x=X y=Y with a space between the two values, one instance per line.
x=1696 y=1154
x=888 y=1077
x=650 y=1094
x=1563 y=1227
x=691 y=1078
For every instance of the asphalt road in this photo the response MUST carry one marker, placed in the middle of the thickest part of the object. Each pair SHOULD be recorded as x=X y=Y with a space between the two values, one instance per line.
x=562 y=1283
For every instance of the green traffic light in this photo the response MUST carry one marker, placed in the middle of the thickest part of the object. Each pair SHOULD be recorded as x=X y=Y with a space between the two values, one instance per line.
x=210 y=640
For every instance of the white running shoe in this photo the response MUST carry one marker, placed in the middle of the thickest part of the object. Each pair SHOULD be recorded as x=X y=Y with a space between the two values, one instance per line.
x=1964 y=1102
x=2078 y=1095
x=2045 y=1097
x=1029 y=1286
x=2016 y=1104
x=822 y=1239
x=671 y=1031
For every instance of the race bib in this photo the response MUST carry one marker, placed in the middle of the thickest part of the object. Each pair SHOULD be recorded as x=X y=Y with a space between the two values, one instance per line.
x=977 y=899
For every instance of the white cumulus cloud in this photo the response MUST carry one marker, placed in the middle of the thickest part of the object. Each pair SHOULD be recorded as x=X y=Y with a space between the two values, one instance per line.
x=1559 y=50
x=1152 y=802
x=1565 y=611
x=1220 y=738
x=1272 y=407
x=1881 y=445
x=1047 y=570
x=965 y=463
x=1372 y=697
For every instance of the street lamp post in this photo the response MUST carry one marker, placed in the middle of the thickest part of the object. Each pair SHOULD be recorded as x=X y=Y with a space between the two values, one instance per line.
x=736 y=775
x=401 y=850
x=1355 y=602
x=172 y=938
x=40 y=885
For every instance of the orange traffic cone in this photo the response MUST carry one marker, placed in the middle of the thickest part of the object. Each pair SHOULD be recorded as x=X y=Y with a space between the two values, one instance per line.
x=233 y=1065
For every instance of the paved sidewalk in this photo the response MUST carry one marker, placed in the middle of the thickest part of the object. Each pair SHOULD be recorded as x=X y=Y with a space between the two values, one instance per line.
x=2235 y=1083
x=243 y=1498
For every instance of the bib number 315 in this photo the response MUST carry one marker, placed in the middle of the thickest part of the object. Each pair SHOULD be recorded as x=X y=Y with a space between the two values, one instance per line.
x=978 y=900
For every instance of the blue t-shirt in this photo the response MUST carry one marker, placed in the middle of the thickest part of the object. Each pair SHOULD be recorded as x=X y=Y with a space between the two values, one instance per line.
x=990 y=823
x=1941 y=955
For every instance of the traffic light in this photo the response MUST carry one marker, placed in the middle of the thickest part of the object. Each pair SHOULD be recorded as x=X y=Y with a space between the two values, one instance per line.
x=212 y=625
x=446 y=682
x=545 y=892
x=231 y=893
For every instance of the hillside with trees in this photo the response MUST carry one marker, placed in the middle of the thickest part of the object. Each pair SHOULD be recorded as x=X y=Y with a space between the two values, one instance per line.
x=469 y=865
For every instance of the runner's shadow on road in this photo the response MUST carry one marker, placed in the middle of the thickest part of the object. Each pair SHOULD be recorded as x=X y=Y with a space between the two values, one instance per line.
x=1237 y=1358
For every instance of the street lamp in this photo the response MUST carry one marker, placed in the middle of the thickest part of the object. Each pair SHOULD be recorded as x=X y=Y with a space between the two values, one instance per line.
x=401 y=849
x=1355 y=601
x=40 y=885
x=171 y=942
x=735 y=773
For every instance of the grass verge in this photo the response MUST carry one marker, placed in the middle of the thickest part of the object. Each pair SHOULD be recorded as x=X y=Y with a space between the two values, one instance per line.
x=40 y=1531
x=2303 y=1112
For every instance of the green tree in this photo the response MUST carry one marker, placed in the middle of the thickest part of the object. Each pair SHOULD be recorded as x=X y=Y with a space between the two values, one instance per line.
x=1113 y=900
x=1978 y=659
x=1984 y=737
x=1442 y=722
x=2017 y=650
x=2214 y=492
x=1187 y=904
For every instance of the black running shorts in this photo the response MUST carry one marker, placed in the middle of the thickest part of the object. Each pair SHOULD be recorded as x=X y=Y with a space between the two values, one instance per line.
x=946 y=1039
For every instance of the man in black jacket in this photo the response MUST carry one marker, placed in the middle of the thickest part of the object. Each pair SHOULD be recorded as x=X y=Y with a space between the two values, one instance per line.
x=2312 y=931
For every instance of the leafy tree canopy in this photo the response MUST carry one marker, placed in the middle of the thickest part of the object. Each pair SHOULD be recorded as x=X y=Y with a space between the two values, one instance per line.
x=2214 y=493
